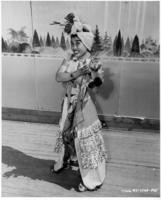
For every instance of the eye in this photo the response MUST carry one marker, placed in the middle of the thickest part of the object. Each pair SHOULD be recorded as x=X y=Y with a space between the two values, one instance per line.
x=78 y=42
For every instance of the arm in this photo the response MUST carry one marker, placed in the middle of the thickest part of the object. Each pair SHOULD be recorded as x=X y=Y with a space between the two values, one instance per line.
x=63 y=76
x=66 y=76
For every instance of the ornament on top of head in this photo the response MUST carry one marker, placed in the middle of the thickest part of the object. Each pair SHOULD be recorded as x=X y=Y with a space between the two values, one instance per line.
x=73 y=25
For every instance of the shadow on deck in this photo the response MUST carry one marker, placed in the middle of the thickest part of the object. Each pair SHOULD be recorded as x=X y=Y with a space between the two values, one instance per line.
x=37 y=169
x=27 y=154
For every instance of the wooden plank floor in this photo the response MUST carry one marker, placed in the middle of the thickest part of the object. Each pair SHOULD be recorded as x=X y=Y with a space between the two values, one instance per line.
x=27 y=151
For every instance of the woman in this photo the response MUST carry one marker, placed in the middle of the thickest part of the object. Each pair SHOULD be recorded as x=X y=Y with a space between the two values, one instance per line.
x=79 y=137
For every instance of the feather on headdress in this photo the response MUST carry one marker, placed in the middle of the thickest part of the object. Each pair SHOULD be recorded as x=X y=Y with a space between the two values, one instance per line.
x=74 y=26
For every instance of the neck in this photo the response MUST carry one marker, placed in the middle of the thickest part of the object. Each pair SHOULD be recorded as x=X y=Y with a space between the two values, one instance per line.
x=85 y=56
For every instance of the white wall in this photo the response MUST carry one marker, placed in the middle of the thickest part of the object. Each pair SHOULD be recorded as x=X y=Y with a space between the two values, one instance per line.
x=131 y=88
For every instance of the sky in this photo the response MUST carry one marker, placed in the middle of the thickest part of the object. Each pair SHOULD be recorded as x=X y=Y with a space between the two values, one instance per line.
x=141 y=18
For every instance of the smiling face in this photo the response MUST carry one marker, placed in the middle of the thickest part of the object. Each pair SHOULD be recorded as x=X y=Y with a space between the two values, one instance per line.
x=78 y=47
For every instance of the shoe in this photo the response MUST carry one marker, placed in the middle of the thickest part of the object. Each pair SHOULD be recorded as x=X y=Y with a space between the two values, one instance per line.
x=65 y=166
x=74 y=163
x=99 y=186
x=82 y=188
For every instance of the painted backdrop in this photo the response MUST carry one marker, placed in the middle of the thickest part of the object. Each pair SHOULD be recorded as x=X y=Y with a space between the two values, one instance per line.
x=126 y=29
x=33 y=50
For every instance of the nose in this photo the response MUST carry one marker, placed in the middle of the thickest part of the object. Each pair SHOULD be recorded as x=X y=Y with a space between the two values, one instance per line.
x=74 y=47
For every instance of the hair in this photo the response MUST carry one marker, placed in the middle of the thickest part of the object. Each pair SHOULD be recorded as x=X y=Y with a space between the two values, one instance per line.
x=73 y=35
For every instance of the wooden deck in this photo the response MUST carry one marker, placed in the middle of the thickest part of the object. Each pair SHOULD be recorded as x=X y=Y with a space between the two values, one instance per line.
x=27 y=151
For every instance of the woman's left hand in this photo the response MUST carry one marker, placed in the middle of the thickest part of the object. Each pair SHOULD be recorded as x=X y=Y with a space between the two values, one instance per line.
x=95 y=65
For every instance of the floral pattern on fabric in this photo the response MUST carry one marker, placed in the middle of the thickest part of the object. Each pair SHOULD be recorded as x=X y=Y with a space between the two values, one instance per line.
x=90 y=138
x=92 y=146
x=59 y=143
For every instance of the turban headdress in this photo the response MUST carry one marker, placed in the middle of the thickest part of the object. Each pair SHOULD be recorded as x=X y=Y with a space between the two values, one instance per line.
x=74 y=26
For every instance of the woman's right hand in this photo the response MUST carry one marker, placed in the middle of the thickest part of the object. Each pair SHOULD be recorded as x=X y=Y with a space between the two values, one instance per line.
x=83 y=70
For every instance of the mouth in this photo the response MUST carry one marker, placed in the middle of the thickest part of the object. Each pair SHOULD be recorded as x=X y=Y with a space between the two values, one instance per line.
x=76 y=52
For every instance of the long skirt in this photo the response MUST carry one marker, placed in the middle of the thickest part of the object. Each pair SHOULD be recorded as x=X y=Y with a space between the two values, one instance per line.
x=89 y=146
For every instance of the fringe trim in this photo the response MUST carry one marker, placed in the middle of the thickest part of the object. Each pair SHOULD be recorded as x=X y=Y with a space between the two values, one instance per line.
x=59 y=143
x=92 y=146
x=89 y=131
x=91 y=143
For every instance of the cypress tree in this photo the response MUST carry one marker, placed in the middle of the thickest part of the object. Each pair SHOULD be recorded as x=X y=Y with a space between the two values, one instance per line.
x=107 y=43
x=114 y=46
x=4 y=46
x=127 y=45
x=122 y=42
x=97 y=41
x=57 y=42
x=62 y=42
x=41 y=41
x=135 y=50
x=118 y=44
x=53 y=42
x=35 y=42
x=48 y=40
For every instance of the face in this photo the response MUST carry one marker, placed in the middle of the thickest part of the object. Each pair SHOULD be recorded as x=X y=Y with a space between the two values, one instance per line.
x=78 y=47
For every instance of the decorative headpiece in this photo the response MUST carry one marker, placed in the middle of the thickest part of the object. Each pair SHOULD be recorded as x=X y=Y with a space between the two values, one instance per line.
x=73 y=26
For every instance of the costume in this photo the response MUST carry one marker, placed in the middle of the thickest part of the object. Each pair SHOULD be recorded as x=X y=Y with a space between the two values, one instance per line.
x=80 y=130
x=79 y=133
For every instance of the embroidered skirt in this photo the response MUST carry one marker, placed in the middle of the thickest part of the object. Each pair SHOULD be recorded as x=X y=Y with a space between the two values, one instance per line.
x=89 y=146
